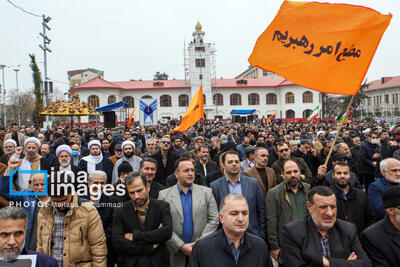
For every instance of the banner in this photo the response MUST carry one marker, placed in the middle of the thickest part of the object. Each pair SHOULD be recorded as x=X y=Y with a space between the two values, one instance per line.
x=148 y=114
x=322 y=46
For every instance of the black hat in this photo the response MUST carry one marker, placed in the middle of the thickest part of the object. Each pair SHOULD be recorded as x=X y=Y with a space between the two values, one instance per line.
x=118 y=147
x=391 y=197
x=124 y=167
x=338 y=156
x=248 y=150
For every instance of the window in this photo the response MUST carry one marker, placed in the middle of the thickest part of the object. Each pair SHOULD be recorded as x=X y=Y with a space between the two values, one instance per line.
x=369 y=101
x=111 y=99
x=386 y=99
x=306 y=113
x=307 y=97
x=254 y=99
x=199 y=49
x=289 y=98
x=204 y=99
x=290 y=114
x=218 y=100
x=272 y=99
x=236 y=99
x=200 y=77
x=265 y=73
x=147 y=97
x=129 y=100
x=395 y=99
x=200 y=63
x=165 y=101
x=183 y=100
x=94 y=101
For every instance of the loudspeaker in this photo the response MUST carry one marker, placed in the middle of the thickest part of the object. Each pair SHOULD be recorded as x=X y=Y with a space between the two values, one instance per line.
x=109 y=119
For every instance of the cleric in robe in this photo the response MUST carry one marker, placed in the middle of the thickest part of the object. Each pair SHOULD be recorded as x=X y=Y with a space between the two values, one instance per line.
x=95 y=161
x=128 y=148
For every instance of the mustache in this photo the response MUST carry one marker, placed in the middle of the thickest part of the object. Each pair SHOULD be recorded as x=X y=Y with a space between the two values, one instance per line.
x=10 y=247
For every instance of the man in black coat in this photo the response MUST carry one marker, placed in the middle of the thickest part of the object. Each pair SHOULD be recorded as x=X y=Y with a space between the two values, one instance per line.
x=165 y=160
x=352 y=203
x=148 y=166
x=231 y=245
x=382 y=240
x=321 y=239
x=141 y=227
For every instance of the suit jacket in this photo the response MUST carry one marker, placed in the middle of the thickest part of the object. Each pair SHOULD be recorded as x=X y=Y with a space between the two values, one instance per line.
x=265 y=185
x=211 y=166
x=105 y=165
x=381 y=241
x=155 y=189
x=42 y=260
x=251 y=190
x=301 y=244
x=205 y=218
x=163 y=172
x=127 y=221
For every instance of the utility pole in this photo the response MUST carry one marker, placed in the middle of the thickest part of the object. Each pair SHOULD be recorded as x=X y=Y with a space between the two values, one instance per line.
x=19 y=99
x=45 y=49
x=4 y=98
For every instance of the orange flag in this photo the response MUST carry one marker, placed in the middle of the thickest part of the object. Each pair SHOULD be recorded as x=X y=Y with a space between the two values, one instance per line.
x=131 y=117
x=270 y=117
x=194 y=113
x=322 y=46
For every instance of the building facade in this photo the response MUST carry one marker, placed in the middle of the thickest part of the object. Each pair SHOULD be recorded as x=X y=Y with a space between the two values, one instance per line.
x=382 y=100
x=221 y=96
x=78 y=77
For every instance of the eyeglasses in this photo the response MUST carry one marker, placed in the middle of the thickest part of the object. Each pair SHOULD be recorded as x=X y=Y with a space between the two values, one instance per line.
x=283 y=150
x=166 y=142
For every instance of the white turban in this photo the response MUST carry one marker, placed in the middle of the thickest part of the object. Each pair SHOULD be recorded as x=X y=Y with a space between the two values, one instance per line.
x=33 y=140
x=12 y=141
x=94 y=142
x=127 y=142
x=62 y=148
x=319 y=133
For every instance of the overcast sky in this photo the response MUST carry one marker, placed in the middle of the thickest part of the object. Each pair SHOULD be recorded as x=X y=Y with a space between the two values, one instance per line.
x=131 y=39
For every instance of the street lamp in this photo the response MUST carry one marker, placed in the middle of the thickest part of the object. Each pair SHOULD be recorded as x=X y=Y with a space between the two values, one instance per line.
x=4 y=97
x=19 y=100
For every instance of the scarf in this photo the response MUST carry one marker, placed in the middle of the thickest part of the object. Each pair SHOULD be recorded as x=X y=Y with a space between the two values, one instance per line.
x=25 y=179
x=92 y=161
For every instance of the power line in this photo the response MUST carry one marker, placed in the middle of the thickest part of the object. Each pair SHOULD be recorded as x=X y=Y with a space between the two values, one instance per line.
x=20 y=8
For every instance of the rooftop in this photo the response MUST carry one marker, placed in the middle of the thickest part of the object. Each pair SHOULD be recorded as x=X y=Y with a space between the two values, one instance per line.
x=383 y=83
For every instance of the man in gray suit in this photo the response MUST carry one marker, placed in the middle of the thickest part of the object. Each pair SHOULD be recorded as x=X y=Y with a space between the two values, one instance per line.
x=193 y=209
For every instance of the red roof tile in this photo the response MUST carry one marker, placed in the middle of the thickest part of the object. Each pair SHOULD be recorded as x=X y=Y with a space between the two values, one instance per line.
x=98 y=83
x=387 y=83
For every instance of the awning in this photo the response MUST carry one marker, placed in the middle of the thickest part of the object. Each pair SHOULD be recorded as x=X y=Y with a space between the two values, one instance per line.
x=242 y=111
x=110 y=107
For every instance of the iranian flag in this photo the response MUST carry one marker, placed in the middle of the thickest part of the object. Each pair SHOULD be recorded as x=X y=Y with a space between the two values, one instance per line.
x=313 y=114
x=394 y=124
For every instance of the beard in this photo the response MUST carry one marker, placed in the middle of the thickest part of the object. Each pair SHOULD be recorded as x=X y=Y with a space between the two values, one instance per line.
x=292 y=182
x=64 y=163
x=11 y=256
x=342 y=184
x=128 y=154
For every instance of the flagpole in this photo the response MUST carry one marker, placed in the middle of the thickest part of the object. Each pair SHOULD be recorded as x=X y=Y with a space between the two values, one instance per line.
x=338 y=131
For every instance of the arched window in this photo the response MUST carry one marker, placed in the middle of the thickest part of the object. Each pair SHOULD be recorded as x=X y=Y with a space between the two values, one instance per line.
x=147 y=96
x=111 y=99
x=254 y=99
x=165 y=101
x=94 y=101
x=129 y=100
x=272 y=99
x=290 y=114
x=183 y=100
x=236 y=99
x=289 y=98
x=307 y=97
x=204 y=99
x=306 y=113
x=218 y=100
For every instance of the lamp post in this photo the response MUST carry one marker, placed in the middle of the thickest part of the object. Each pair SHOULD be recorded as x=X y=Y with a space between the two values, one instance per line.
x=4 y=98
x=19 y=100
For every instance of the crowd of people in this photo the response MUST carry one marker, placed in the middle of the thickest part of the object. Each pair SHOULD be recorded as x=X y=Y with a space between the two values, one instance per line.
x=219 y=194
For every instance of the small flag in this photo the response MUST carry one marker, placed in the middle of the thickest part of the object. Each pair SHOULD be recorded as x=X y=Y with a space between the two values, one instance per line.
x=195 y=112
x=131 y=117
x=313 y=114
x=322 y=46
x=394 y=124
x=344 y=117
x=270 y=117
